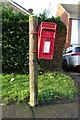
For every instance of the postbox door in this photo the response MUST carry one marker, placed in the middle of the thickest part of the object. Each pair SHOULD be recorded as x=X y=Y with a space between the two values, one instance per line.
x=46 y=48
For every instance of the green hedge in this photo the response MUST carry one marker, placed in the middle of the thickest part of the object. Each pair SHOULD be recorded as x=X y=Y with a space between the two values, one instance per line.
x=15 y=40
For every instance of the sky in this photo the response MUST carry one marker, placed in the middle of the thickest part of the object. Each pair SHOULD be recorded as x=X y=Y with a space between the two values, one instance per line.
x=39 y=6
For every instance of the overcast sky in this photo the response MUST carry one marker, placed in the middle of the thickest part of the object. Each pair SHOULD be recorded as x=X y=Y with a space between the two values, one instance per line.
x=38 y=6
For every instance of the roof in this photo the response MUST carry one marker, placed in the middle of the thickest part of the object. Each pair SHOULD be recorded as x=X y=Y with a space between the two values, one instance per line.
x=72 y=10
x=21 y=8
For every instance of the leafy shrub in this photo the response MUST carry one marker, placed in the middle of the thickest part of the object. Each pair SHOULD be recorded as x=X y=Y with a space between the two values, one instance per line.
x=15 y=45
x=55 y=86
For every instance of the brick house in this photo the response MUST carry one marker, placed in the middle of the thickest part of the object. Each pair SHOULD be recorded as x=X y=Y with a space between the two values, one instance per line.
x=70 y=15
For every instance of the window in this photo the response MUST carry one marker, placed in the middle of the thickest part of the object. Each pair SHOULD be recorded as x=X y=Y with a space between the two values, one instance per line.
x=69 y=51
x=77 y=49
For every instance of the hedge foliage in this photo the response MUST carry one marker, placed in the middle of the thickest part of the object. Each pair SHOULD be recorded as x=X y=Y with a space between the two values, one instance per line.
x=15 y=38
x=15 y=44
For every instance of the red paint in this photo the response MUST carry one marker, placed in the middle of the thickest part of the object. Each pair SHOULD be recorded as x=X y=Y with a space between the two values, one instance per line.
x=73 y=54
x=46 y=39
x=33 y=32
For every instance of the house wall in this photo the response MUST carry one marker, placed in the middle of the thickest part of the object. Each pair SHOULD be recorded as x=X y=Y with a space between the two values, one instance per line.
x=68 y=22
x=63 y=14
x=68 y=35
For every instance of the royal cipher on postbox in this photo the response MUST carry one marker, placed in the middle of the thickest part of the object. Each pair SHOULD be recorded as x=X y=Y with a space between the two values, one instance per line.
x=46 y=39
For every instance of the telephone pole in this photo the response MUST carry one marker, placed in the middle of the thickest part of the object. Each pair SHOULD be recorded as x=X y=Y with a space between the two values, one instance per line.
x=33 y=60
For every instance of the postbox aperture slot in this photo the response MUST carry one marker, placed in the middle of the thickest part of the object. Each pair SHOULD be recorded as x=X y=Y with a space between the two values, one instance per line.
x=50 y=34
x=47 y=30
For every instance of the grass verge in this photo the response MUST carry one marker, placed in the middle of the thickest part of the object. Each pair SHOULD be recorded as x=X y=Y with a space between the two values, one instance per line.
x=51 y=86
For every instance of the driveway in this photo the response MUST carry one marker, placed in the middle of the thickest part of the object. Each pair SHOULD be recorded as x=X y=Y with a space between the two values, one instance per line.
x=76 y=77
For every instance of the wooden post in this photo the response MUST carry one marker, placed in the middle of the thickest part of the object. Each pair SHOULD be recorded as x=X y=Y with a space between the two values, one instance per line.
x=33 y=61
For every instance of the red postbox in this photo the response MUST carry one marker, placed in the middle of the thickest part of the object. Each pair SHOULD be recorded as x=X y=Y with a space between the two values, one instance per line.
x=46 y=39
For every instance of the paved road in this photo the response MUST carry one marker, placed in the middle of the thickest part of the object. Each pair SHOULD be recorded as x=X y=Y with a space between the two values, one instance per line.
x=74 y=74
x=59 y=110
x=76 y=77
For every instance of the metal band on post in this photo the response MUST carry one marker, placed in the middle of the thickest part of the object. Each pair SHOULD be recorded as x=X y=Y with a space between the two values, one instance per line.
x=33 y=32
